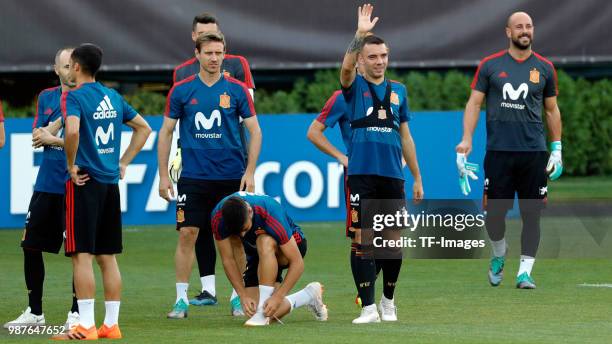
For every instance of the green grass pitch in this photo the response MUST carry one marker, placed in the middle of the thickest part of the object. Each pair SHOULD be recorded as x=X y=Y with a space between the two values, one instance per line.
x=439 y=301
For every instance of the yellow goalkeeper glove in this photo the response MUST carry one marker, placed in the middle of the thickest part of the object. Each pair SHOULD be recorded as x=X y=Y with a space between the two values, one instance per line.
x=176 y=166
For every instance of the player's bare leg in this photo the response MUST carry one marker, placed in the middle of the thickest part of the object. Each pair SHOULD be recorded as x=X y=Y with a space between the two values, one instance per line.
x=183 y=263
x=84 y=281
x=111 y=277
x=85 y=287
x=185 y=254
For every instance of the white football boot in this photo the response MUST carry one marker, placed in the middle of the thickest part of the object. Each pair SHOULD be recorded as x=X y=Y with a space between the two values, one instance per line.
x=259 y=319
x=27 y=319
x=317 y=307
x=369 y=314
x=388 y=311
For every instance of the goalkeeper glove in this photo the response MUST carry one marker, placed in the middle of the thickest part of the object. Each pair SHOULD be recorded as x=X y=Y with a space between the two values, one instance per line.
x=554 y=168
x=176 y=167
x=466 y=170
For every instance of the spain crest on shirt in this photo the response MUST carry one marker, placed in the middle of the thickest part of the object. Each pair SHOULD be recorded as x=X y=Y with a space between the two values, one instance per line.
x=534 y=76
x=226 y=73
x=394 y=98
x=224 y=101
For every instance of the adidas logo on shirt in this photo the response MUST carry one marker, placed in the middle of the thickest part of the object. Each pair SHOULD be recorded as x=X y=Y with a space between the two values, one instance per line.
x=105 y=110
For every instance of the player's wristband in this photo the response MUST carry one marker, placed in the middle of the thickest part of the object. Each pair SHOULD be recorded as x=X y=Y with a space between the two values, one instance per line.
x=554 y=168
x=555 y=146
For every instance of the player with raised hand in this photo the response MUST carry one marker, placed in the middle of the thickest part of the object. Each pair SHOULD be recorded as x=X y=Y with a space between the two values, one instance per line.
x=379 y=115
x=517 y=83
x=209 y=105
x=44 y=228
x=272 y=243
x=93 y=116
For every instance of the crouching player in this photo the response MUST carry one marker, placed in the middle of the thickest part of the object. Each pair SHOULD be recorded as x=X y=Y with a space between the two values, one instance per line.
x=272 y=242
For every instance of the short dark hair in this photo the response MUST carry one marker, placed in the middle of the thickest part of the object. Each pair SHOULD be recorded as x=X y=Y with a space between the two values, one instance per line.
x=373 y=39
x=207 y=37
x=89 y=56
x=204 y=18
x=234 y=212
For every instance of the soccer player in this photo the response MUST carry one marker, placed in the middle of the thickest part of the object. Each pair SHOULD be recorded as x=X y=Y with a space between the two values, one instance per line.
x=333 y=112
x=209 y=105
x=44 y=227
x=48 y=195
x=272 y=243
x=378 y=111
x=237 y=67
x=2 y=135
x=517 y=83
x=93 y=116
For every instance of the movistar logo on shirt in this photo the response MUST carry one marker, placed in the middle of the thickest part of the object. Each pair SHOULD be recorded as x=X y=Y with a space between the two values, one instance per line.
x=203 y=123
x=377 y=129
x=105 y=110
x=103 y=137
x=508 y=91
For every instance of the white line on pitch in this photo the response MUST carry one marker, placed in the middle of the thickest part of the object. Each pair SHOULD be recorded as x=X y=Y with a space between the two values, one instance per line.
x=596 y=285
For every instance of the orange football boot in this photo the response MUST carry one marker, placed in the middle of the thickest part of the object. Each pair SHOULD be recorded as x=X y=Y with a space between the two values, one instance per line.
x=78 y=332
x=112 y=332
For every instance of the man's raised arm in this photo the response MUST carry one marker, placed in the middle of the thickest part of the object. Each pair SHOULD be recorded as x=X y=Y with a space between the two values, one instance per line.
x=364 y=25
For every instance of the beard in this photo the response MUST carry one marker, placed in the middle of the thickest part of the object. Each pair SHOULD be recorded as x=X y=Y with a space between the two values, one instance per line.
x=68 y=81
x=517 y=42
